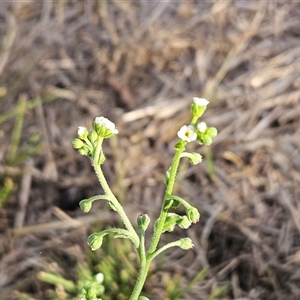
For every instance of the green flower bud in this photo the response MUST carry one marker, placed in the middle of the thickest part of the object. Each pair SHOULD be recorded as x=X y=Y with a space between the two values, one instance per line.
x=171 y=221
x=195 y=158
x=85 y=151
x=207 y=140
x=212 y=132
x=95 y=241
x=183 y=222
x=193 y=214
x=85 y=205
x=92 y=136
x=143 y=221
x=186 y=243
x=143 y=298
x=77 y=143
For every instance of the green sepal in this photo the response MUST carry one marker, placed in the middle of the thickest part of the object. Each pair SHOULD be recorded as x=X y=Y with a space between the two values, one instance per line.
x=179 y=145
x=168 y=204
x=207 y=140
x=197 y=110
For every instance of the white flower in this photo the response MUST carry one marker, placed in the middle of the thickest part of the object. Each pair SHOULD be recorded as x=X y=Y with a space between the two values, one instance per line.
x=202 y=126
x=187 y=133
x=200 y=101
x=81 y=130
x=99 y=277
x=106 y=123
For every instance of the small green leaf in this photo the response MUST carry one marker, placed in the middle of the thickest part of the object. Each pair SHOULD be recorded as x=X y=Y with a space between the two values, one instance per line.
x=167 y=177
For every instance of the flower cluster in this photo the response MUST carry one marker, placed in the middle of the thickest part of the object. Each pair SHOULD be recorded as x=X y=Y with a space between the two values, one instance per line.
x=87 y=141
x=198 y=131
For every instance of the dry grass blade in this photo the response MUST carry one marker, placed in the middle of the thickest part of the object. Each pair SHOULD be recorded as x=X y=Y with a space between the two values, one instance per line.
x=8 y=41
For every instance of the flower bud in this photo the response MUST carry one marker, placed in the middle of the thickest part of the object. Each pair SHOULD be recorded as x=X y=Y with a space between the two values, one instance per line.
x=195 y=158
x=193 y=214
x=84 y=150
x=104 y=127
x=99 y=277
x=143 y=221
x=95 y=241
x=92 y=136
x=82 y=132
x=202 y=126
x=198 y=106
x=77 y=143
x=183 y=222
x=186 y=243
x=207 y=140
x=212 y=132
x=85 y=205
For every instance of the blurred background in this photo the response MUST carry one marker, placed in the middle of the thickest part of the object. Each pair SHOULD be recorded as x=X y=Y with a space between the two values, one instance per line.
x=139 y=63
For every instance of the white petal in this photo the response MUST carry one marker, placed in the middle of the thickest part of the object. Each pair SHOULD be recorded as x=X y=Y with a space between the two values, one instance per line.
x=187 y=133
x=202 y=126
x=81 y=130
x=200 y=101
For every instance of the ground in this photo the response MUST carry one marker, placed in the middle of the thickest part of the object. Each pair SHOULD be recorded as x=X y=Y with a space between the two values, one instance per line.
x=140 y=63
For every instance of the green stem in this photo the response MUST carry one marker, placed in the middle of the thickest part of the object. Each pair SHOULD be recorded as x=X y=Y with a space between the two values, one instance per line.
x=112 y=198
x=164 y=248
x=180 y=200
x=194 y=120
x=144 y=268
x=163 y=213
x=145 y=262
x=143 y=273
